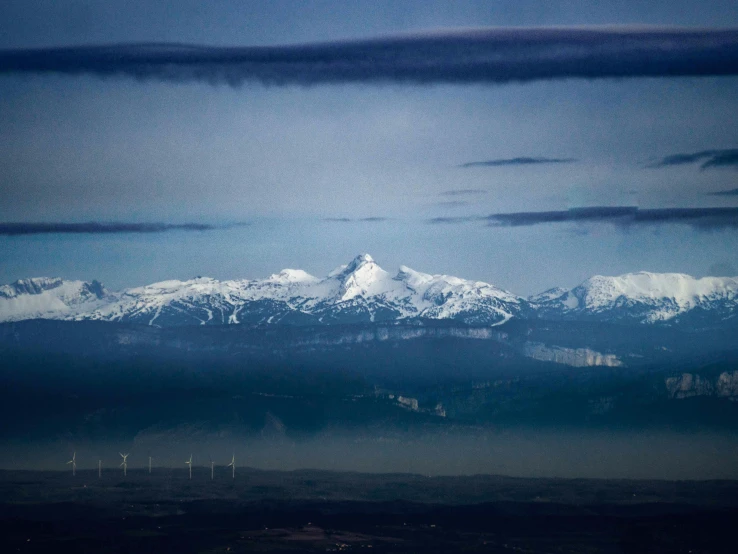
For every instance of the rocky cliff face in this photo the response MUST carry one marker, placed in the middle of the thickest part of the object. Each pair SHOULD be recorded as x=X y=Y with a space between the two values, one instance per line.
x=688 y=385
x=575 y=357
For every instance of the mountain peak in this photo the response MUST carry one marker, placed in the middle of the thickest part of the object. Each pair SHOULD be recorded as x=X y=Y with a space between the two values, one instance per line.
x=359 y=261
x=360 y=277
x=353 y=266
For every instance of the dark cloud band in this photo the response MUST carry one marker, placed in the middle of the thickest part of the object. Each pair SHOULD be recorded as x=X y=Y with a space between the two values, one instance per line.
x=702 y=218
x=518 y=161
x=487 y=55
x=373 y=219
x=452 y=220
x=95 y=228
x=708 y=158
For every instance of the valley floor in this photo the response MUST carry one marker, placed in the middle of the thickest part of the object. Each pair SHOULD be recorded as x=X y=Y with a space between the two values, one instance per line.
x=318 y=511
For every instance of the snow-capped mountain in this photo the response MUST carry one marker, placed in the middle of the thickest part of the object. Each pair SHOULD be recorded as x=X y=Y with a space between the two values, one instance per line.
x=643 y=297
x=44 y=297
x=360 y=291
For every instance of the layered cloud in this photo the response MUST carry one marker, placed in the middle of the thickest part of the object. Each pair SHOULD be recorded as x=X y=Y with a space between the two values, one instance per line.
x=624 y=216
x=484 y=55
x=702 y=218
x=706 y=158
x=518 y=161
x=373 y=219
x=94 y=228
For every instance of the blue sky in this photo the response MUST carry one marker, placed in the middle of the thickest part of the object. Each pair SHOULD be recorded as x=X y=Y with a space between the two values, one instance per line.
x=77 y=148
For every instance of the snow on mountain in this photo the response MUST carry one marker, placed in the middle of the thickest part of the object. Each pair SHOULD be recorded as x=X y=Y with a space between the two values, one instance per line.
x=357 y=292
x=643 y=297
x=44 y=297
x=548 y=295
x=362 y=291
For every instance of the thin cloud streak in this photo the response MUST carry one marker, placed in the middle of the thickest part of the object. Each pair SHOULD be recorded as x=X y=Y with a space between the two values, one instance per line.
x=97 y=228
x=518 y=161
x=625 y=216
x=481 y=55
x=359 y=220
x=463 y=192
x=709 y=158
x=453 y=220
x=731 y=192
x=452 y=204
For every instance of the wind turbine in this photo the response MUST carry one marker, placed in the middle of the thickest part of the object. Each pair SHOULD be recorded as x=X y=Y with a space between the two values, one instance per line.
x=189 y=463
x=124 y=463
x=99 y=469
x=212 y=466
x=73 y=461
x=149 y=464
x=233 y=465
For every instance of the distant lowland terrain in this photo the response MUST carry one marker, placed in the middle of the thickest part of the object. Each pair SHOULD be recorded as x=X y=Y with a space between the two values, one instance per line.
x=336 y=372
x=321 y=511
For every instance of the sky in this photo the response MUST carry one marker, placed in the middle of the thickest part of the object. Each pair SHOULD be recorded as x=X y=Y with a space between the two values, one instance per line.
x=417 y=155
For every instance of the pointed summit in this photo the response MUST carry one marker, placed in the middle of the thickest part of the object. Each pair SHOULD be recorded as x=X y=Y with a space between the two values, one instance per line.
x=358 y=262
x=354 y=265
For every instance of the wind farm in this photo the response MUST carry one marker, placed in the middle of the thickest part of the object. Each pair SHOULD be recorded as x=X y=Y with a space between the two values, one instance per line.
x=149 y=465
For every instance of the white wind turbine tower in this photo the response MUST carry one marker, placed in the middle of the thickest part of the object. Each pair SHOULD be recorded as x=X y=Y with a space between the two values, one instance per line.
x=73 y=461
x=233 y=465
x=212 y=466
x=149 y=464
x=189 y=463
x=124 y=463
x=99 y=469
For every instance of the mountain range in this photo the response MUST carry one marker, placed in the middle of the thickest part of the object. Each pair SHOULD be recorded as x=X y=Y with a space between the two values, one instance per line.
x=363 y=292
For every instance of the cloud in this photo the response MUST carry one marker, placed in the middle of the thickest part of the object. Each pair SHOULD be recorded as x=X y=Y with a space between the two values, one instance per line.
x=709 y=158
x=625 y=216
x=518 y=161
x=452 y=204
x=731 y=192
x=350 y=220
x=722 y=158
x=453 y=220
x=480 y=55
x=96 y=228
x=463 y=192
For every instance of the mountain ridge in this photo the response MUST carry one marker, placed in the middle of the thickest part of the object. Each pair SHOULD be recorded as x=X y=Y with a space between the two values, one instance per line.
x=362 y=291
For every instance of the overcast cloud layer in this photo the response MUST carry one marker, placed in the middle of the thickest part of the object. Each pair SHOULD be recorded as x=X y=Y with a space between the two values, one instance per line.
x=484 y=55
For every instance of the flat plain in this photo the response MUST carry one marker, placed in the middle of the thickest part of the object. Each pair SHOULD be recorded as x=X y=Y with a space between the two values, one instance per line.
x=320 y=511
